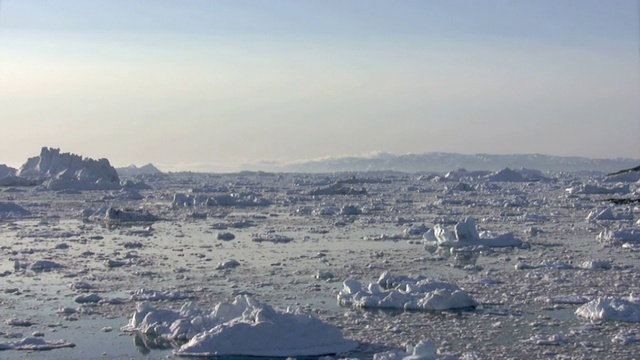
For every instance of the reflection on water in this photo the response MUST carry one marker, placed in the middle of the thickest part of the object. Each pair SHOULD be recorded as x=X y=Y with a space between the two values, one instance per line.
x=145 y=343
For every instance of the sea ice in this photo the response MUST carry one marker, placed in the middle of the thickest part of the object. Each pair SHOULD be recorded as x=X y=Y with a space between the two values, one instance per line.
x=611 y=309
x=244 y=327
x=403 y=292
x=35 y=344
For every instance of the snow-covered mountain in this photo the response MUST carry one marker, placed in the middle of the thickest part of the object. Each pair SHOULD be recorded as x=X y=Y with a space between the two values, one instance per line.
x=444 y=162
x=133 y=170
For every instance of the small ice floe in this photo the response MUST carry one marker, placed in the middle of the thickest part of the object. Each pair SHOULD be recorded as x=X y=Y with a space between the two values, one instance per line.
x=154 y=295
x=338 y=189
x=43 y=265
x=566 y=299
x=626 y=337
x=9 y=210
x=553 y=340
x=606 y=214
x=424 y=350
x=596 y=265
x=350 y=210
x=545 y=264
x=244 y=327
x=114 y=215
x=618 y=237
x=594 y=190
x=403 y=292
x=611 y=309
x=35 y=344
x=225 y=236
x=465 y=234
x=88 y=299
x=385 y=237
x=324 y=275
x=228 y=265
x=19 y=322
x=269 y=237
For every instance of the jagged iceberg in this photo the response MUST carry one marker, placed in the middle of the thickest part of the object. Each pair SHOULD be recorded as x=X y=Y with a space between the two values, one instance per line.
x=244 y=327
x=465 y=234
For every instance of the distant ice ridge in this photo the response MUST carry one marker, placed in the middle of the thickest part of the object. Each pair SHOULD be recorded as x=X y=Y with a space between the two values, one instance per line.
x=244 y=327
x=10 y=210
x=58 y=171
x=465 y=234
x=612 y=309
x=405 y=292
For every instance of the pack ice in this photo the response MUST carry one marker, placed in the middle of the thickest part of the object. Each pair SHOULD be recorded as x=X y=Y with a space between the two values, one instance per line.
x=244 y=327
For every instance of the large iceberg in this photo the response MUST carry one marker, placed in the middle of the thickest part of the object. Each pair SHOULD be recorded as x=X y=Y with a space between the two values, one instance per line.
x=65 y=170
x=405 y=292
x=244 y=327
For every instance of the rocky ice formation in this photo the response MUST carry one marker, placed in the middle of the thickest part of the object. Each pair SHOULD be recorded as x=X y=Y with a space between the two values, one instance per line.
x=405 y=292
x=244 y=327
x=465 y=234
x=69 y=171
x=627 y=175
x=6 y=171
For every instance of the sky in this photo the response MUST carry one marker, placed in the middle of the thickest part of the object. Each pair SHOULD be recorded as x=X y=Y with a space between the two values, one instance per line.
x=212 y=85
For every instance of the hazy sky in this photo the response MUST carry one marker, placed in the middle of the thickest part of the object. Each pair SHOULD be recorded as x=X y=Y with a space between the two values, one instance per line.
x=208 y=85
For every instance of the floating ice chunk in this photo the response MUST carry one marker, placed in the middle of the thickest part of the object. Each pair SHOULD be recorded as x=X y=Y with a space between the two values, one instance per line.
x=405 y=293
x=465 y=234
x=626 y=337
x=35 y=344
x=612 y=309
x=269 y=237
x=43 y=265
x=556 y=339
x=593 y=190
x=227 y=265
x=616 y=237
x=225 y=236
x=350 y=210
x=88 y=299
x=114 y=215
x=19 y=322
x=545 y=264
x=596 y=264
x=154 y=295
x=244 y=327
x=424 y=350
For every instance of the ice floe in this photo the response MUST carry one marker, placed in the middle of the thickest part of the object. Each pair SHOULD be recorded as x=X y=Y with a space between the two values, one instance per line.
x=405 y=292
x=35 y=344
x=465 y=234
x=244 y=327
x=611 y=309
x=424 y=350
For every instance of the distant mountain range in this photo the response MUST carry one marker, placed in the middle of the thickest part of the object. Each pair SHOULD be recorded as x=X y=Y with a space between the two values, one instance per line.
x=133 y=170
x=444 y=162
